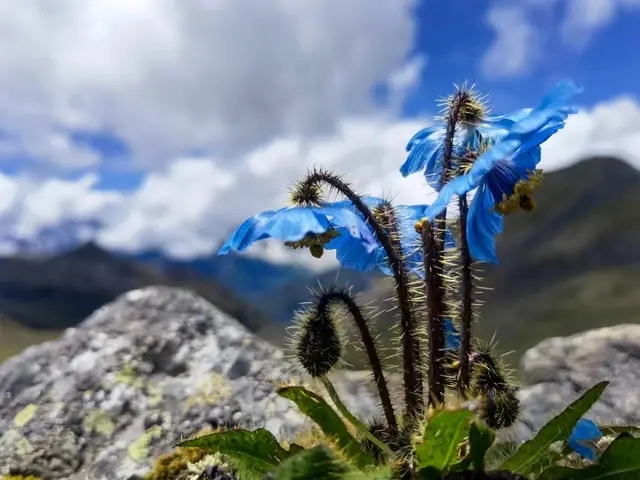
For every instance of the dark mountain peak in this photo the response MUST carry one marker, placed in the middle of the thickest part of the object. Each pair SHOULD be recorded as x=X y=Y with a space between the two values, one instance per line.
x=600 y=169
x=89 y=251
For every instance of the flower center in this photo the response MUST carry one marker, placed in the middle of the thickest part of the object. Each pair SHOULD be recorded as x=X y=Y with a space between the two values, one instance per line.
x=521 y=197
x=315 y=242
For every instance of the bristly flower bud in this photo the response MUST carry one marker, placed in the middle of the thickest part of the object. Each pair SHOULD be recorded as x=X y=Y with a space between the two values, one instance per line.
x=502 y=407
x=319 y=341
x=501 y=402
x=305 y=193
x=471 y=107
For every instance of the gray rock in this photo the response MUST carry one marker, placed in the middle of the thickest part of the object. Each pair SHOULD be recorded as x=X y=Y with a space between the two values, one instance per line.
x=156 y=365
x=159 y=364
x=558 y=370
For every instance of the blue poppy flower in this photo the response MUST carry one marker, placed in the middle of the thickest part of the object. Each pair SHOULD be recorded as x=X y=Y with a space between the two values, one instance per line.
x=426 y=147
x=451 y=335
x=584 y=437
x=351 y=255
x=504 y=173
x=296 y=224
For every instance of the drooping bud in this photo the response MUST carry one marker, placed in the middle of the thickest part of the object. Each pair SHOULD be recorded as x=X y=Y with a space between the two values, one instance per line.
x=489 y=383
x=502 y=407
x=319 y=343
x=305 y=193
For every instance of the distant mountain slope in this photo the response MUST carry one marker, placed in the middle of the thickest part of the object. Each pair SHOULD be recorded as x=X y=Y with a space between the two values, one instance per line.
x=251 y=278
x=60 y=291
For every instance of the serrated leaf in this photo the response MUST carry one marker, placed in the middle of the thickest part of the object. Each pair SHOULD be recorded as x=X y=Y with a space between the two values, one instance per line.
x=318 y=410
x=319 y=463
x=481 y=437
x=442 y=436
x=620 y=461
x=557 y=429
x=253 y=451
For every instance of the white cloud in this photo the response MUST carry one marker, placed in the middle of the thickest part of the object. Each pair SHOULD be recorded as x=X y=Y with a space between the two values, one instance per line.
x=171 y=77
x=609 y=128
x=524 y=28
x=583 y=18
x=515 y=45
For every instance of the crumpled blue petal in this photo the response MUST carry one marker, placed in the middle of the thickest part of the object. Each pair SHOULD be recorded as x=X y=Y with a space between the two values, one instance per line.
x=483 y=224
x=583 y=438
x=294 y=223
x=519 y=151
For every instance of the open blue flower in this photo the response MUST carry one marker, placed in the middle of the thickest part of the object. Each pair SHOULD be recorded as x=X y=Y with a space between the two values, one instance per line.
x=584 y=437
x=295 y=224
x=426 y=147
x=351 y=255
x=504 y=173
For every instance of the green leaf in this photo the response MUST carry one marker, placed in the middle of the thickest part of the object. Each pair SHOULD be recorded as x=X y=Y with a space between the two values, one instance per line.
x=557 y=429
x=318 y=463
x=253 y=451
x=442 y=436
x=314 y=407
x=481 y=437
x=620 y=461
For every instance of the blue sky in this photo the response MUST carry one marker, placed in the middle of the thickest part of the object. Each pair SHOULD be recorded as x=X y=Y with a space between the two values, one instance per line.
x=156 y=118
x=606 y=66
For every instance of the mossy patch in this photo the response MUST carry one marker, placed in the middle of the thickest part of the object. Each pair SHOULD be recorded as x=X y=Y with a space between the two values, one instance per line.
x=213 y=389
x=139 y=449
x=25 y=415
x=169 y=466
x=100 y=422
x=128 y=376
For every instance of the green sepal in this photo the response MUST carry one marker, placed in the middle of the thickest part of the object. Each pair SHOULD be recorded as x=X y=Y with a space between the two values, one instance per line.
x=557 y=429
x=443 y=434
x=318 y=410
x=620 y=461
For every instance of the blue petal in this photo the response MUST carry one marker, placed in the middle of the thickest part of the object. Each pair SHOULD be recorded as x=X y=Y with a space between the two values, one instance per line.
x=584 y=433
x=483 y=224
x=528 y=132
x=451 y=335
x=293 y=224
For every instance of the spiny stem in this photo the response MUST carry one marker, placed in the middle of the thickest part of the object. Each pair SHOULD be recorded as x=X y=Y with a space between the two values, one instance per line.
x=370 y=347
x=466 y=288
x=412 y=375
x=361 y=427
x=435 y=294
x=435 y=286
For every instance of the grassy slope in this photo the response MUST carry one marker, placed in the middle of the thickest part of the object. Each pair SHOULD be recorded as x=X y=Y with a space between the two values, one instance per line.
x=14 y=337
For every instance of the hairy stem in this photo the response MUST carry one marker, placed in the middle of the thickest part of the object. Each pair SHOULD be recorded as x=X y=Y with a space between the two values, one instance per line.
x=466 y=289
x=436 y=241
x=413 y=391
x=435 y=296
x=370 y=348
x=361 y=427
